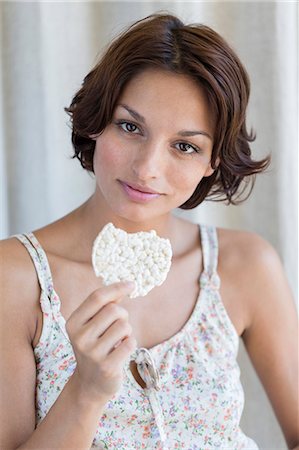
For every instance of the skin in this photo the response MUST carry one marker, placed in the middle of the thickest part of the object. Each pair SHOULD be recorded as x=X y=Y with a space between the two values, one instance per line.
x=254 y=288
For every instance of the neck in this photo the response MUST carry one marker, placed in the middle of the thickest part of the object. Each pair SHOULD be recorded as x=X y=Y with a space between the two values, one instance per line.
x=75 y=233
x=94 y=214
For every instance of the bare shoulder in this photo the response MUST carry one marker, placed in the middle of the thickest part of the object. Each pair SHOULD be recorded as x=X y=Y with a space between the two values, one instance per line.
x=16 y=263
x=19 y=286
x=244 y=246
x=247 y=254
x=249 y=268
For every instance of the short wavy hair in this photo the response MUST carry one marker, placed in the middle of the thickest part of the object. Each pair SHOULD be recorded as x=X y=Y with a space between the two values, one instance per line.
x=164 y=42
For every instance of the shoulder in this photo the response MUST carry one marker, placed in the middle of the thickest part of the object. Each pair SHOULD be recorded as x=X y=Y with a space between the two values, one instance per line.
x=20 y=290
x=15 y=260
x=250 y=270
x=245 y=249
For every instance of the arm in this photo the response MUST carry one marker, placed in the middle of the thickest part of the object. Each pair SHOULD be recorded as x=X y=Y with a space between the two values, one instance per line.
x=271 y=335
x=19 y=300
x=79 y=423
x=72 y=420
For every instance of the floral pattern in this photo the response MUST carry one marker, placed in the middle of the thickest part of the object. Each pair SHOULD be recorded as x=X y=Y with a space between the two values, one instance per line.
x=193 y=397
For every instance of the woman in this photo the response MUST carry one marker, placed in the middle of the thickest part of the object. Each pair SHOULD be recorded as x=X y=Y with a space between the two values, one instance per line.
x=160 y=121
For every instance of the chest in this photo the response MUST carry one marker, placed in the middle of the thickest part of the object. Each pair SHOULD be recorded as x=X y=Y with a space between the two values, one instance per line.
x=155 y=317
x=161 y=314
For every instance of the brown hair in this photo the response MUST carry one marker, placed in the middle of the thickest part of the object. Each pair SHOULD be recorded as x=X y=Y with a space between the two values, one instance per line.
x=163 y=41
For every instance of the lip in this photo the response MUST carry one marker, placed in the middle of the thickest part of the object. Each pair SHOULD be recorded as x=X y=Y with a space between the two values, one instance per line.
x=140 y=188
x=139 y=193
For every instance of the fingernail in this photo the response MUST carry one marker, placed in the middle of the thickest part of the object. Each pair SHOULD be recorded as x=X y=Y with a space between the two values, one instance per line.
x=129 y=284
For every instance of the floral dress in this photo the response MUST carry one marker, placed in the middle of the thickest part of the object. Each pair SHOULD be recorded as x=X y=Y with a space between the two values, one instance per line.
x=193 y=398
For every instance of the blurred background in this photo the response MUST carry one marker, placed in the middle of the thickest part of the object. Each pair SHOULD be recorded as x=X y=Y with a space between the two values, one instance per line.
x=46 y=50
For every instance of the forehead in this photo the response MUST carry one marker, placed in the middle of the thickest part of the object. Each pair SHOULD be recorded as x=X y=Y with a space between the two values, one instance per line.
x=170 y=97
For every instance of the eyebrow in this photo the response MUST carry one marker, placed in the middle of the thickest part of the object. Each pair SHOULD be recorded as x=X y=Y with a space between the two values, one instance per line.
x=141 y=119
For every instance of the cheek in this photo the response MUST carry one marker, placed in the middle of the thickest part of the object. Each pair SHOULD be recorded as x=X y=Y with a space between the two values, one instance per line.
x=108 y=155
x=187 y=178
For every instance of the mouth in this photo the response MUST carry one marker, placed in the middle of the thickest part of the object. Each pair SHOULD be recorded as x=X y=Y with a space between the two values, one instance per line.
x=140 y=188
x=139 y=193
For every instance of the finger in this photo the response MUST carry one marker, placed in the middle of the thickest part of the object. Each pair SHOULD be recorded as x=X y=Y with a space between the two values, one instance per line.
x=103 y=319
x=99 y=298
x=118 y=331
x=119 y=355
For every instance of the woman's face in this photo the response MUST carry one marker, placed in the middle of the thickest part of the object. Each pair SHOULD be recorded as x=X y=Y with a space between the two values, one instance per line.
x=157 y=148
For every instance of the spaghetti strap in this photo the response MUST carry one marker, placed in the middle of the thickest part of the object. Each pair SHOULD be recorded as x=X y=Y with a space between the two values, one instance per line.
x=47 y=276
x=49 y=300
x=209 y=243
x=25 y=239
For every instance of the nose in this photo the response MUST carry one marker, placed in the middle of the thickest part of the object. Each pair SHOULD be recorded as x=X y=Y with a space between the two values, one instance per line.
x=149 y=159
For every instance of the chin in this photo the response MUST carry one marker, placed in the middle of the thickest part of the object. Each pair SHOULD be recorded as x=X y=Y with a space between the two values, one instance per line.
x=137 y=217
x=137 y=213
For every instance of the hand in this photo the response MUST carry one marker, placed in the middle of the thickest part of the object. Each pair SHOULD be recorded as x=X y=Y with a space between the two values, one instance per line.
x=102 y=340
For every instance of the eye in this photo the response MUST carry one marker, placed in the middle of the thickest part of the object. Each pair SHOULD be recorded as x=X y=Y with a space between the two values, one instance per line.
x=128 y=127
x=184 y=147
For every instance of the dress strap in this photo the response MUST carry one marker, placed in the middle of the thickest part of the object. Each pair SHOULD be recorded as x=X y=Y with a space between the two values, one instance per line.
x=44 y=263
x=24 y=238
x=41 y=264
x=209 y=243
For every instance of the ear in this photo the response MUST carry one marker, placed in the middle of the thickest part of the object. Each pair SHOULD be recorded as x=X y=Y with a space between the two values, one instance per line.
x=93 y=136
x=209 y=171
